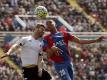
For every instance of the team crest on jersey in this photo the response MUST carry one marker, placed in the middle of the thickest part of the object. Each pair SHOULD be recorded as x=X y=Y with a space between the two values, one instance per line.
x=61 y=43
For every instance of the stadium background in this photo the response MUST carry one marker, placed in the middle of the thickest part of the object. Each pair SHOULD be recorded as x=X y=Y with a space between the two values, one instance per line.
x=90 y=61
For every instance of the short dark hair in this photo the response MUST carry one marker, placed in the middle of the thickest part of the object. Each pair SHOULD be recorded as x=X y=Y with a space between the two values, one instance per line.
x=40 y=25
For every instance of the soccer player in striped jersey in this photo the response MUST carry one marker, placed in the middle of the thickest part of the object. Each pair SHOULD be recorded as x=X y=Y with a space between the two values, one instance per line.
x=56 y=46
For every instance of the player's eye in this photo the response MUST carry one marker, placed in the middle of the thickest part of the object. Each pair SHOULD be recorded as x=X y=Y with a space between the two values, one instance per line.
x=42 y=29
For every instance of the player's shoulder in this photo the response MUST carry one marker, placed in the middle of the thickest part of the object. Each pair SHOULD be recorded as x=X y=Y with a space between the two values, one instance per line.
x=22 y=40
x=67 y=34
x=46 y=36
x=64 y=32
x=25 y=38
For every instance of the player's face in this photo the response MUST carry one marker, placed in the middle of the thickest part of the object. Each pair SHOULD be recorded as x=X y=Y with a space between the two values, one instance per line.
x=40 y=31
x=50 y=25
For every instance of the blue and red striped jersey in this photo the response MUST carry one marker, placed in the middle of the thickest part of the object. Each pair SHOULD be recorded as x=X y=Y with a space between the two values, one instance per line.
x=60 y=40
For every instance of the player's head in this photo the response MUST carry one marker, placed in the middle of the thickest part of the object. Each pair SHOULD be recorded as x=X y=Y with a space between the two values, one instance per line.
x=39 y=30
x=50 y=25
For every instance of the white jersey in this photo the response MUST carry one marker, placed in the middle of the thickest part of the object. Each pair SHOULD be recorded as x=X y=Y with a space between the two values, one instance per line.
x=30 y=50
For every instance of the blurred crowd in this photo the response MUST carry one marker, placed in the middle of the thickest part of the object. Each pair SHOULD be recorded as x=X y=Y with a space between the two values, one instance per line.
x=96 y=8
x=90 y=61
x=62 y=8
x=8 y=73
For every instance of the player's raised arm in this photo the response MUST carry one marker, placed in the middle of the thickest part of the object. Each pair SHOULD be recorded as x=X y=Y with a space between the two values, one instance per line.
x=11 y=50
x=77 y=40
x=14 y=47
x=73 y=38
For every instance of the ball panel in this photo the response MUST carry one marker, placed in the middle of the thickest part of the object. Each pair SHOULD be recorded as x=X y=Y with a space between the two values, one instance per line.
x=41 y=12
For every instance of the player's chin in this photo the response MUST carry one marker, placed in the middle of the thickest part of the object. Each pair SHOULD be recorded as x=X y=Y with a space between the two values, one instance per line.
x=41 y=35
x=48 y=29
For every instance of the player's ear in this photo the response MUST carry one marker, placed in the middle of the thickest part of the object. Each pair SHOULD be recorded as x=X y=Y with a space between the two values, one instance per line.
x=33 y=29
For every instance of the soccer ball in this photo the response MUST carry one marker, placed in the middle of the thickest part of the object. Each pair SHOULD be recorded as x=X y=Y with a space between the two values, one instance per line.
x=41 y=12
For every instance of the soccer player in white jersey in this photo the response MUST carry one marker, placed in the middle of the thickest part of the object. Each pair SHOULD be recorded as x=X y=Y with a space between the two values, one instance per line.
x=31 y=59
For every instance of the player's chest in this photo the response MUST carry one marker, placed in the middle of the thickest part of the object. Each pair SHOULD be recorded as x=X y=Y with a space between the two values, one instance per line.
x=33 y=44
x=57 y=39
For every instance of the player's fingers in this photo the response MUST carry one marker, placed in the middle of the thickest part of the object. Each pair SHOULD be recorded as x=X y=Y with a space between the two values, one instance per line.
x=2 y=60
x=58 y=49
x=3 y=56
x=55 y=49
x=40 y=72
x=57 y=53
x=101 y=38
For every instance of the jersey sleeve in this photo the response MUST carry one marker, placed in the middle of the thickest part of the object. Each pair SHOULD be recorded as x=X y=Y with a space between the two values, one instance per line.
x=21 y=42
x=69 y=36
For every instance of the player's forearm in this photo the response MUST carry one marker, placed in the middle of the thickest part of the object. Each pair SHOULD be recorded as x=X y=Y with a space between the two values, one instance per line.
x=77 y=40
x=12 y=49
x=87 y=41
x=49 y=52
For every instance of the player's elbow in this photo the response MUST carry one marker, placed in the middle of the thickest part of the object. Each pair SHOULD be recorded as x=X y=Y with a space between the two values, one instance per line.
x=14 y=47
x=77 y=40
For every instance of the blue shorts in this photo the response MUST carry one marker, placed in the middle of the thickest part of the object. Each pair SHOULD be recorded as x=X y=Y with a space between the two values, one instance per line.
x=65 y=70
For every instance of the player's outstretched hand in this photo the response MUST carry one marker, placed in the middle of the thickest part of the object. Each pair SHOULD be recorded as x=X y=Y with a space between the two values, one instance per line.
x=56 y=50
x=39 y=72
x=3 y=56
x=101 y=38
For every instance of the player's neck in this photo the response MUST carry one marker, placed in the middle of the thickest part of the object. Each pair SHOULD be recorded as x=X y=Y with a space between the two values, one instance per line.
x=35 y=36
